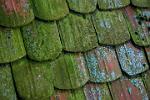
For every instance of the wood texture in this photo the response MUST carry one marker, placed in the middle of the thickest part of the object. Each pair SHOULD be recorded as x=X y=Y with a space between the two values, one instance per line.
x=77 y=33
x=50 y=9
x=139 y=25
x=128 y=89
x=111 y=27
x=132 y=59
x=15 y=13
x=42 y=40
x=34 y=80
x=11 y=45
x=102 y=64
x=82 y=6
x=70 y=71
x=7 y=90
x=112 y=4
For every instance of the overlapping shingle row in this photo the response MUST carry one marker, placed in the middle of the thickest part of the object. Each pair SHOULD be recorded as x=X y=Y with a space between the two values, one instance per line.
x=74 y=49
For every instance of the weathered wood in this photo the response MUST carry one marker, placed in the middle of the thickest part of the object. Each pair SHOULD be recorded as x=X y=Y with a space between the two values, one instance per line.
x=7 y=90
x=102 y=64
x=82 y=6
x=141 y=3
x=77 y=33
x=50 y=9
x=70 y=71
x=112 y=4
x=111 y=27
x=128 y=89
x=42 y=40
x=11 y=45
x=34 y=80
x=139 y=24
x=97 y=92
x=15 y=12
x=132 y=59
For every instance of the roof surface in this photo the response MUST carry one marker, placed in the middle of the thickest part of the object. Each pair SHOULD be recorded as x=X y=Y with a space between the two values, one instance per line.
x=74 y=49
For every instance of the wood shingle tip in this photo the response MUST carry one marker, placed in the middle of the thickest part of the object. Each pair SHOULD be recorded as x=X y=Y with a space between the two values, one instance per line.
x=74 y=49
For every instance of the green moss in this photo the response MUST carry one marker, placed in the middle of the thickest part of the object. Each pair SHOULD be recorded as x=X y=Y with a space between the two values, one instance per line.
x=7 y=90
x=15 y=13
x=34 y=80
x=50 y=9
x=70 y=72
x=77 y=33
x=11 y=45
x=42 y=40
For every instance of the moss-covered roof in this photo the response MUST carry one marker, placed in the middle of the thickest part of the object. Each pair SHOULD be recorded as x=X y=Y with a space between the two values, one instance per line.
x=74 y=49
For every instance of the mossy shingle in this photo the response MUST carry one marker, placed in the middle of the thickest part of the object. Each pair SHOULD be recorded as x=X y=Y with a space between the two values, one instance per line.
x=132 y=59
x=102 y=64
x=77 y=33
x=141 y=3
x=82 y=6
x=139 y=25
x=112 y=4
x=42 y=40
x=15 y=13
x=7 y=88
x=111 y=27
x=34 y=80
x=70 y=71
x=50 y=9
x=11 y=45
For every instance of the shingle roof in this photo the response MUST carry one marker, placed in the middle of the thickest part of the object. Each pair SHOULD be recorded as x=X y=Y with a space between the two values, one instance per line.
x=74 y=49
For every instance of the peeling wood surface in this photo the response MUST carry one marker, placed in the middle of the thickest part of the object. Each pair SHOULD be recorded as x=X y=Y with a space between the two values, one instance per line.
x=15 y=12
x=97 y=92
x=34 y=80
x=70 y=71
x=140 y=24
x=132 y=59
x=102 y=64
x=82 y=6
x=112 y=4
x=77 y=33
x=7 y=89
x=141 y=3
x=42 y=40
x=128 y=89
x=11 y=45
x=50 y=9
x=106 y=24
